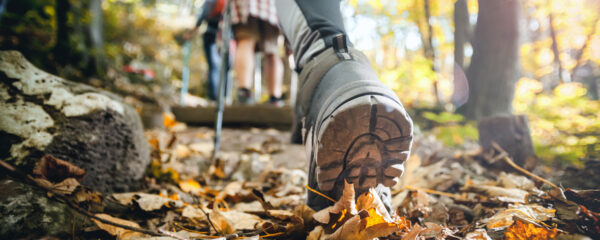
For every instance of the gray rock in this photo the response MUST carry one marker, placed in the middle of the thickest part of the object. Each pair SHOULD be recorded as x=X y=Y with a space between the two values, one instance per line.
x=90 y=128
x=27 y=213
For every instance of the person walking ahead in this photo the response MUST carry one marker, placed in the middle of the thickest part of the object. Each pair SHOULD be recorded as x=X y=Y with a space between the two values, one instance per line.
x=212 y=11
x=354 y=127
x=254 y=24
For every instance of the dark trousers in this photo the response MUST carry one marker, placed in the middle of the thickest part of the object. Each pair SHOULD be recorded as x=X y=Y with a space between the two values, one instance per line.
x=214 y=63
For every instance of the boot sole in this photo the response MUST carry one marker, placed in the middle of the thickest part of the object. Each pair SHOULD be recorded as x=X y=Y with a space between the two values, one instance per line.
x=365 y=141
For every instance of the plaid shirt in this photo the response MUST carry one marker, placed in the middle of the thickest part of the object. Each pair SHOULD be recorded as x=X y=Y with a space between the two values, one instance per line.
x=261 y=9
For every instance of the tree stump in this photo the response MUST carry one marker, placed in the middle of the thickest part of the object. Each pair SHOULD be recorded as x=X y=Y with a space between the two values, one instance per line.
x=90 y=128
x=511 y=133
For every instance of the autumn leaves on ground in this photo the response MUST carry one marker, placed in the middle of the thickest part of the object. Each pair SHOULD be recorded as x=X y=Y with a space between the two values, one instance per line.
x=256 y=190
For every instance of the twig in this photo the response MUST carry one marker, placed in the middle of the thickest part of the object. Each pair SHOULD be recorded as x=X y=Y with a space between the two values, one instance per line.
x=512 y=164
x=320 y=194
x=208 y=219
x=62 y=199
x=451 y=195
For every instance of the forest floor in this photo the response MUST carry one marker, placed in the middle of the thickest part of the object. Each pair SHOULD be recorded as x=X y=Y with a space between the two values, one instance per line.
x=256 y=189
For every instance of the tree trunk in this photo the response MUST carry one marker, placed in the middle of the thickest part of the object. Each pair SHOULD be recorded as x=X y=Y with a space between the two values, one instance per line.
x=429 y=50
x=461 y=35
x=555 y=50
x=61 y=49
x=461 y=31
x=493 y=72
x=97 y=35
x=511 y=133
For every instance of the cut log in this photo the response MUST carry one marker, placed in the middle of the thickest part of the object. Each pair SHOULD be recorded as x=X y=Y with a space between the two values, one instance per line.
x=511 y=133
x=89 y=128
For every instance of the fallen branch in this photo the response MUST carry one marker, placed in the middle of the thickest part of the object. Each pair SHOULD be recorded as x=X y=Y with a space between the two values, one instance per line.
x=431 y=191
x=520 y=169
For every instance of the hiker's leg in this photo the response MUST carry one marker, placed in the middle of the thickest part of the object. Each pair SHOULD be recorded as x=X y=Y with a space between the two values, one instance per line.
x=246 y=36
x=214 y=62
x=357 y=130
x=273 y=65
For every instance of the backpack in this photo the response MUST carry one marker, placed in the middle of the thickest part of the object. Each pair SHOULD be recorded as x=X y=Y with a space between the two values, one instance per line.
x=217 y=9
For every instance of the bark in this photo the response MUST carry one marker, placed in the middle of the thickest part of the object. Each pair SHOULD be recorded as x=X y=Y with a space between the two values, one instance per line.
x=493 y=72
x=461 y=31
x=555 y=50
x=428 y=48
x=461 y=35
x=579 y=57
x=97 y=35
x=511 y=133
x=61 y=49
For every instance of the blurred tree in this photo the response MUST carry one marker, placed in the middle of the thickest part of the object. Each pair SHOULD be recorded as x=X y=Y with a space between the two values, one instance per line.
x=493 y=72
x=97 y=35
x=461 y=31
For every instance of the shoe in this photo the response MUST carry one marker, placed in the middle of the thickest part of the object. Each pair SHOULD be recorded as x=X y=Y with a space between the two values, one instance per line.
x=275 y=101
x=361 y=134
x=244 y=96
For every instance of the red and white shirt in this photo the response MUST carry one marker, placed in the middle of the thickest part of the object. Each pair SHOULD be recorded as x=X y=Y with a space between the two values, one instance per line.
x=261 y=9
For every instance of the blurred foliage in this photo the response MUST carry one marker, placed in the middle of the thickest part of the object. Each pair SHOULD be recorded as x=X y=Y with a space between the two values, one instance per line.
x=564 y=122
x=451 y=128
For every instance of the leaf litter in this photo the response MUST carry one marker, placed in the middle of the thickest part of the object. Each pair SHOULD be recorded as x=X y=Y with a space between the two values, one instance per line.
x=255 y=189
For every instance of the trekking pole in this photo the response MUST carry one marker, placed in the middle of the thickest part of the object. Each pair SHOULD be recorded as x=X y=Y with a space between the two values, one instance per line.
x=185 y=78
x=222 y=77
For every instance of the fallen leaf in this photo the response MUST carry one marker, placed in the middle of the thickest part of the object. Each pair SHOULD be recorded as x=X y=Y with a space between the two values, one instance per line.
x=56 y=170
x=280 y=214
x=414 y=232
x=182 y=151
x=220 y=222
x=66 y=187
x=529 y=231
x=510 y=195
x=147 y=202
x=120 y=233
x=316 y=234
x=478 y=234
x=192 y=212
x=531 y=212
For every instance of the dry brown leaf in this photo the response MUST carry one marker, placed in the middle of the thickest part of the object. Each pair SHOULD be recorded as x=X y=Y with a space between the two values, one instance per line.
x=529 y=231
x=253 y=206
x=220 y=222
x=242 y=221
x=478 y=234
x=205 y=148
x=530 y=212
x=414 y=233
x=366 y=219
x=120 y=233
x=280 y=214
x=182 y=151
x=169 y=119
x=190 y=186
x=147 y=202
x=65 y=187
x=370 y=200
x=316 y=234
x=56 y=170
x=345 y=203
x=192 y=212
x=511 y=195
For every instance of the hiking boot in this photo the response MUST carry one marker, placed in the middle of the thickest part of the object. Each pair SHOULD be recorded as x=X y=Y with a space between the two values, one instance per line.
x=358 y=132
x=275 y=101
x=244 y=96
